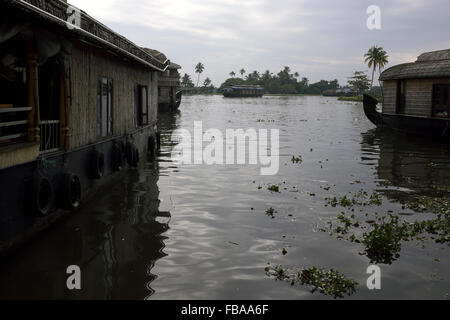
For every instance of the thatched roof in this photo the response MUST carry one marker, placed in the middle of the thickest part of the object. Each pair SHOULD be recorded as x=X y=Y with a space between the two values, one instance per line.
x=434 y=64
x=54 y=13
x=435 y=55
x=161 y=57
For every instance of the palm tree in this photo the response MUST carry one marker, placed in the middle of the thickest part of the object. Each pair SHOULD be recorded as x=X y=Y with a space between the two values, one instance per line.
x=207 y=82
x=376 y=57
x=266 y=75
x=186 y=81
x=199 y=69
x=232 y=74
x=242 y=72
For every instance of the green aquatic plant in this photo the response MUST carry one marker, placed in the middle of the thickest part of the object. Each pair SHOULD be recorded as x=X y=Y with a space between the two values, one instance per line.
x=383 y=243
x=429 y=204
x=328 y=282
x=382 y=236
x=438 y=229
x=432 y=164
x=361 y=198
x=277 y=272
x=343 y=201
x=375 y=198
x=295 y=159
x=271 y=212
x=273 y=188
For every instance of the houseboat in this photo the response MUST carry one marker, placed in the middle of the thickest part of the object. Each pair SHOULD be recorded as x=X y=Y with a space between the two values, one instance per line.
x=340 y=92
x=243 y=91
x=415 y=97
x=78 y=104
x=169 y=91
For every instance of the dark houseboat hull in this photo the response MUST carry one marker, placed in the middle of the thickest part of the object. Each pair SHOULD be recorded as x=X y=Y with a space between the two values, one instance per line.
x=239 y=95
x=243 y=92
x=21 y=216
x=421 y=126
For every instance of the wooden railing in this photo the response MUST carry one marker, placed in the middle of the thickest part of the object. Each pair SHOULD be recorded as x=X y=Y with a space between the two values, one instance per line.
x=13 y=123
x=50 y=131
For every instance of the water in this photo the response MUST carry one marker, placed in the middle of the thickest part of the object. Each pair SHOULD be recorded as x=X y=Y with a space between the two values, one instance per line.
x=170 y=231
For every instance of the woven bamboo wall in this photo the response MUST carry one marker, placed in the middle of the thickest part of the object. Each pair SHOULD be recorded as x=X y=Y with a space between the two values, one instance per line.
x=88 y=65
x=418 y=96
x=389 y=95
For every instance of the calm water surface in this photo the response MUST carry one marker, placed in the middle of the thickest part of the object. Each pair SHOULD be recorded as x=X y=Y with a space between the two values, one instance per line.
x=170 y=231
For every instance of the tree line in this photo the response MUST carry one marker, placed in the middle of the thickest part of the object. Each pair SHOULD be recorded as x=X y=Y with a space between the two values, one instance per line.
x=186 y=80
x=283 y=82
x=287 y=82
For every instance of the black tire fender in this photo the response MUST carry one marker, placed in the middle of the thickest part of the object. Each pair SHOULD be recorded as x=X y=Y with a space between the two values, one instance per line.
x=43 y=195
x=98 y=164
x=135 y=157
x=129 y=153
x=71 y=191
x=158 y=140
x=117 y=158
x=151 y=145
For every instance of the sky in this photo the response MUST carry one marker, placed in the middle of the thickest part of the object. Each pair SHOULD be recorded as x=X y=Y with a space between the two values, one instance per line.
x=319 y=39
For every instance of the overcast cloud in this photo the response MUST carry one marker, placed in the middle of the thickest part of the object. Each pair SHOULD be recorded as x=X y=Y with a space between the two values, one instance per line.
x=320 y=39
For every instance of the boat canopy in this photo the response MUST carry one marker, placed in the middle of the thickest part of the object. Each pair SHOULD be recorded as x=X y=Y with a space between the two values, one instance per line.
x=246 y=88
x=434 y=64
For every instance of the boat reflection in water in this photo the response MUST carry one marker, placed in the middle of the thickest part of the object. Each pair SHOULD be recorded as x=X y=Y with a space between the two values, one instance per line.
x=416 y=175
x=115 y=238
x=415 y=165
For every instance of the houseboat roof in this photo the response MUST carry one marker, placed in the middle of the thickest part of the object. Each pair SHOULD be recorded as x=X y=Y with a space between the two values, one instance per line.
x=161 y=57
x=246 y=87
x=435 y=64
x=54 y=12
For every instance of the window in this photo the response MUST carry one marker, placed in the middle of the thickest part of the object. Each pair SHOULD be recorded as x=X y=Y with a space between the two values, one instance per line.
x=104 y=107
x=441 y=105
x=401 y=96
x=142 y=110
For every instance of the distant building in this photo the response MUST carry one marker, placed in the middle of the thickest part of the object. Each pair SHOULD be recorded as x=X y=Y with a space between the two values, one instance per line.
x=345 y=91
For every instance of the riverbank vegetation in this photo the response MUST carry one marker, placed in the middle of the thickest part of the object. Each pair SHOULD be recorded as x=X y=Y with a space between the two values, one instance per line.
x=189 y=88
x=283 y=82
x=358 y=98
x=286 y=82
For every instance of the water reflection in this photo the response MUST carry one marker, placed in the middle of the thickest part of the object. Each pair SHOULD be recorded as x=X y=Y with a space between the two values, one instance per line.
x=411 y=163
x=174 y=231
x=412 y=173
x=116 y=238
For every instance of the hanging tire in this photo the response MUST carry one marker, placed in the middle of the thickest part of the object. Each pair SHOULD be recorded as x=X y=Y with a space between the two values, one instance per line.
x=98 y=164
x=151 y=145
x=135 y=157
x=117 y=158
x=71 y=191
x=43 y=195
x=129 y=153
x=158 y=140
